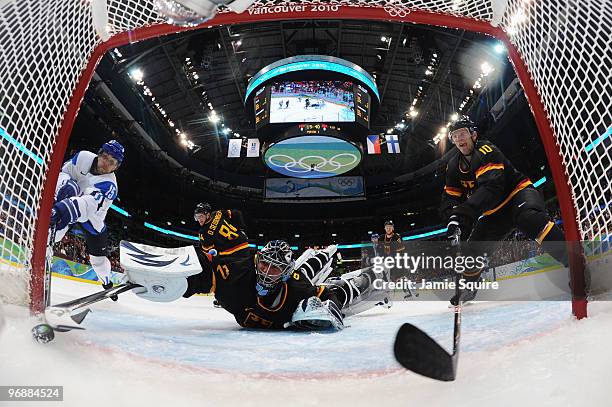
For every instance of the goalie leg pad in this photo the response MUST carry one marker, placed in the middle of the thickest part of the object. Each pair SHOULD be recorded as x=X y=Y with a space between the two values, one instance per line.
x=312 y=314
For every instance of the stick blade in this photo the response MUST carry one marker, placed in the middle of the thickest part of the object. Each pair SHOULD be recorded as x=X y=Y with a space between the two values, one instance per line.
x=417 y=351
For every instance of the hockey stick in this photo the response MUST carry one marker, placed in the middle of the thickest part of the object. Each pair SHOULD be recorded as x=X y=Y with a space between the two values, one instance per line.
x=49 y=264
x=417 y=351
x=62 y=317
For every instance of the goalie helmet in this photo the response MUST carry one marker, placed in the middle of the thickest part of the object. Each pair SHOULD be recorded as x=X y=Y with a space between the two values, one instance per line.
x=273 y=264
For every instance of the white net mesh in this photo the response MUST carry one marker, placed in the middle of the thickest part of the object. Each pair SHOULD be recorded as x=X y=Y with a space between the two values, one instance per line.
x=45 y=46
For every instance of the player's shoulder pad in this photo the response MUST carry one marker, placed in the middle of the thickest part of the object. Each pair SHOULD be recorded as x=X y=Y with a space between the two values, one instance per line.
x=108 y=189
x=82 y=161
x=486 y=144
x=486 y=150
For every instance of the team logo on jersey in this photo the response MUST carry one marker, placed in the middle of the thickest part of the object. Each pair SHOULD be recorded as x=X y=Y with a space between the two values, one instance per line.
x=468 y=184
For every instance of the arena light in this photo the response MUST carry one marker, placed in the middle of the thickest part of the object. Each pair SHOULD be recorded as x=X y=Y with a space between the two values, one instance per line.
x=516 y=20
x=169 y=232
x=428 y=234
x=454 y=116
x=599 y=140
x=414 y=113
x=457 y=5
x=428 y=72
x=119 y=210
x=213 y=118
x=486 y=68
x=137 y=75
x=539 y=182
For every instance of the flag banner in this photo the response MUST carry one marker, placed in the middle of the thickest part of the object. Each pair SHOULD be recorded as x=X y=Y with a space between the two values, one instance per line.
x=234 y=147
x=373 y=144
x=393 y=146
x=253 y=147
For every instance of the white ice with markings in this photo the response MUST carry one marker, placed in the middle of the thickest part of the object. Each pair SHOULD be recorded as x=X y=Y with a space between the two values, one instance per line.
x=136 y=352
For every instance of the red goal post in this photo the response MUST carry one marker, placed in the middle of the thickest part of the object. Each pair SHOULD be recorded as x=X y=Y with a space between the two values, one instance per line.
x=50 y=50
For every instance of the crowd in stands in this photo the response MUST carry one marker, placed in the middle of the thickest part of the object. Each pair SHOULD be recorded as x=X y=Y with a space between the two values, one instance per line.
x=12 y=223
x=73 y=248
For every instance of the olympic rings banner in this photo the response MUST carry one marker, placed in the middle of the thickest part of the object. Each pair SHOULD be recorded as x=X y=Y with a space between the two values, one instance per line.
x=297 y=188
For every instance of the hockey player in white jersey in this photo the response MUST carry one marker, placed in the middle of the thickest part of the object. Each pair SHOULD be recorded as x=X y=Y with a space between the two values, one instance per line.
x=85 y=190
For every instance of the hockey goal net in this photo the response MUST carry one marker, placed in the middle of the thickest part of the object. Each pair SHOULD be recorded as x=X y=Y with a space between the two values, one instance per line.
x=561 y=51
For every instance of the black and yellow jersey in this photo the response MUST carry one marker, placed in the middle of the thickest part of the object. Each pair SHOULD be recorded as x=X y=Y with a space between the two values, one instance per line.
x=276 y=308
x=390 y=244
x=231 y=279
x=224 y=232
x=482 y=185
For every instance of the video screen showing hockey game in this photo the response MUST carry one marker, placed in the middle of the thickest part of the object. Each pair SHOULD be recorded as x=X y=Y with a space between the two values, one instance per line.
x=312 y=101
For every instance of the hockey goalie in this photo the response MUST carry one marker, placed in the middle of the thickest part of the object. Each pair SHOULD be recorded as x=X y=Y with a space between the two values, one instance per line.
x=272 y=291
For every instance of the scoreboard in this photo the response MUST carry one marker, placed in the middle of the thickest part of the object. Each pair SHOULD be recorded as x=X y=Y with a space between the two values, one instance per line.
x=262 y=107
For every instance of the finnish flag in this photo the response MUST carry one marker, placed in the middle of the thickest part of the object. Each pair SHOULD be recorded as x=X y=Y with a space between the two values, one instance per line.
x=393 y=146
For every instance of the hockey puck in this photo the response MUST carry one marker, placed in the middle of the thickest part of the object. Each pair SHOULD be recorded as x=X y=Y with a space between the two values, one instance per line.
x=43 y=333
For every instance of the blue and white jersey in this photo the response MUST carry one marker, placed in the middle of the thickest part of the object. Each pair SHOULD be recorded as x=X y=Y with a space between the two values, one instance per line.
x=97 y=191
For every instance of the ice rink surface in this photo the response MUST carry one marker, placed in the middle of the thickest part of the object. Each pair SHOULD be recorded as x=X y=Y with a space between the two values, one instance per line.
x=139 y=353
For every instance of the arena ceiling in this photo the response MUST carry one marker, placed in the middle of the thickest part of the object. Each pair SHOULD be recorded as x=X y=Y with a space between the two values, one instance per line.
x=183 y=76
x=191 y=72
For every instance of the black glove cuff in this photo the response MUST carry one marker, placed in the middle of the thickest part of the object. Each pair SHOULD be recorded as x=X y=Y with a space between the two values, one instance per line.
x=466 y=213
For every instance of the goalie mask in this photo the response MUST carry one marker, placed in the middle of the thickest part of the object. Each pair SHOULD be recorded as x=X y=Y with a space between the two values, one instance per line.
x=273 y=264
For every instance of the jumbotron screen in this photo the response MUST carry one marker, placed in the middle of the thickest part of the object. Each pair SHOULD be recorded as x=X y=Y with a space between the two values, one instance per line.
x=312 y=101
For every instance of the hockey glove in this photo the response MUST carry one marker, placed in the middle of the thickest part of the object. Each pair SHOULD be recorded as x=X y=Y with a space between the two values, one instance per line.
x=461 y=220
x=64 y=213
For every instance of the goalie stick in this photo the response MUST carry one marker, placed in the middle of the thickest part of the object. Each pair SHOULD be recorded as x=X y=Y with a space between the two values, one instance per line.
x=69 y=315
x=417 y=351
